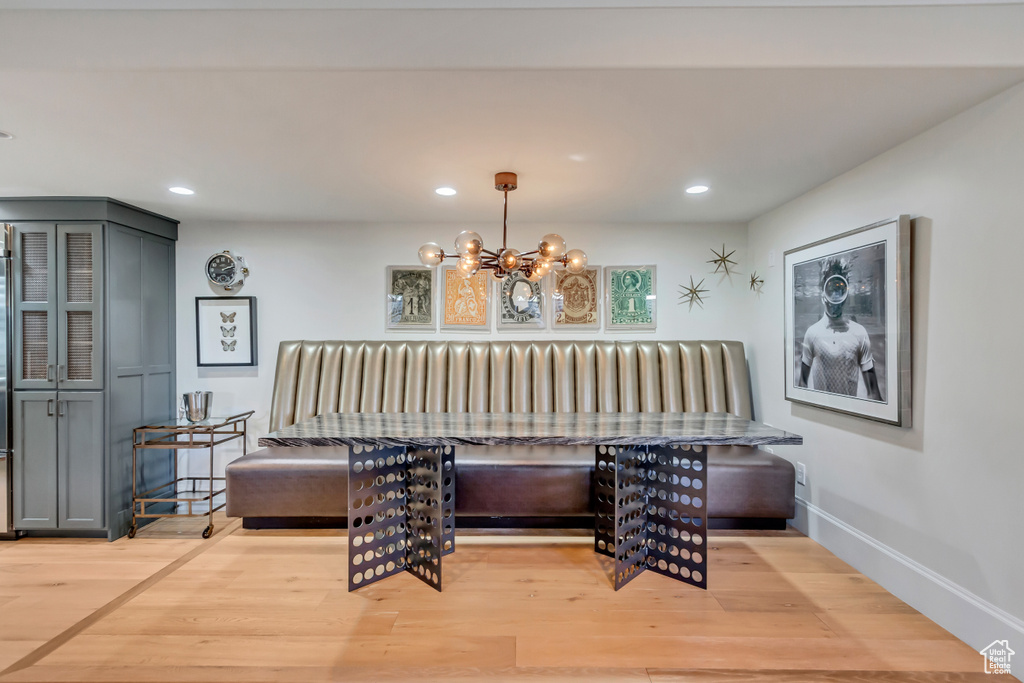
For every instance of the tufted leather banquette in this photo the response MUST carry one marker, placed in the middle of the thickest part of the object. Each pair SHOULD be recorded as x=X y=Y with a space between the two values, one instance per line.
x=316 y=377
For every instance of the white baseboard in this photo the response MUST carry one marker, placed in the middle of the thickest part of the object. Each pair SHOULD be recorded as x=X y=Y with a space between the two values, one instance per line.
x=970 y=618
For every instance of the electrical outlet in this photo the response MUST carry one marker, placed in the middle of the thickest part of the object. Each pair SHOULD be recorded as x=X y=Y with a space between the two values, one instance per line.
x=801 y=474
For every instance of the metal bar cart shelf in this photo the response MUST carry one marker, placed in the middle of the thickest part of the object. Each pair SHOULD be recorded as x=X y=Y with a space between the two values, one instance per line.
x=184 y=435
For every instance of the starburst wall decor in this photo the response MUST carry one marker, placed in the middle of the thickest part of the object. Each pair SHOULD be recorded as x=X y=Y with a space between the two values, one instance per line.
x=692 y=295
x=722 y=260
x=756 y=282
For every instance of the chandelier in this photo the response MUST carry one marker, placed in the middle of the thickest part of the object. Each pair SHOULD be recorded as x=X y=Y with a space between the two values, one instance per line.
x=534 y=265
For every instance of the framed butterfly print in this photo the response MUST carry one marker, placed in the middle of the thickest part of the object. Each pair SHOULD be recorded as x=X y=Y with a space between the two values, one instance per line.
x=225 y=331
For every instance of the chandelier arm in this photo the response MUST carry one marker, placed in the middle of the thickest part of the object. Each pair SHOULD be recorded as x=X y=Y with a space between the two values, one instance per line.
x=489 y=252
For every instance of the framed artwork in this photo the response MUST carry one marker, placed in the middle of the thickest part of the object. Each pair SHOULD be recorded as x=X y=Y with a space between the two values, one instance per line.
x=632 y=297
x=410 y=298
x=225 y=331
x=847 y=326
x=520 y=303
x=576 y=300
x=464 y=301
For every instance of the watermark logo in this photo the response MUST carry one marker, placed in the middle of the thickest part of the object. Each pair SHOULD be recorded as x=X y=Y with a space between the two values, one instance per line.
x=997 y=657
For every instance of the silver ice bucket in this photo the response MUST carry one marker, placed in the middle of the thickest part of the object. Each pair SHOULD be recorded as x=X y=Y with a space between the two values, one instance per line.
x=196 y=405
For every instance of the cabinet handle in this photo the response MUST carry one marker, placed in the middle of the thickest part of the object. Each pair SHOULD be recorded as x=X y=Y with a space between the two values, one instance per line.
x=49 y=372
x=60 y=373
x=49 y=407
x=60 y=408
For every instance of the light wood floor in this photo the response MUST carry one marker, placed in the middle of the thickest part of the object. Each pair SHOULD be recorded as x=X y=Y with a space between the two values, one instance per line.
x=273 y=606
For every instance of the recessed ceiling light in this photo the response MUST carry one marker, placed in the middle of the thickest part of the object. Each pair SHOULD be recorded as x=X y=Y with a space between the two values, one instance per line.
x=697 y=189
x=181 y=190
x=5 y=135
x=445 y=191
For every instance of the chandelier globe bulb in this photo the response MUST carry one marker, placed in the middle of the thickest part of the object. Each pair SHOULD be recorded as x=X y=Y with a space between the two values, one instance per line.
x=575 y=261
x=509 y=259
x=469 y=243
x=551 y=246
x=468 y=266
x=431 y=254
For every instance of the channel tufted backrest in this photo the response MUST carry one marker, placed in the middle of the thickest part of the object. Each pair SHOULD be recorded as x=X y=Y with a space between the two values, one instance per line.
x=315 y=377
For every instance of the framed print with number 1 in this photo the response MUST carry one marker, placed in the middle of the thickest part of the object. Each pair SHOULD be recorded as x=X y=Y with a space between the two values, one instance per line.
x=632 y=298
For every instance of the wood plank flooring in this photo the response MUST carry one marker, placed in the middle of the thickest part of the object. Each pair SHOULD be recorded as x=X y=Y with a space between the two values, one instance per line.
x=274 y=606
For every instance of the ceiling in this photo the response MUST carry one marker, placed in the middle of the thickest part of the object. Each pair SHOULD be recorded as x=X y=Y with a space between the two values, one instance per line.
x=606 y=111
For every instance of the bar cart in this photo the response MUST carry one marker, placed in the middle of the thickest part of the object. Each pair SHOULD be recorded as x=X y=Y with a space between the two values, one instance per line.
x=176 y=435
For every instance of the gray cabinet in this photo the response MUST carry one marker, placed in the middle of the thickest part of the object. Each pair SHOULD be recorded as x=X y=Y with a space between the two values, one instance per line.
x=93 y=356
x=58 y=480
x=80 y=480
x=34 y=470
x=58 y=295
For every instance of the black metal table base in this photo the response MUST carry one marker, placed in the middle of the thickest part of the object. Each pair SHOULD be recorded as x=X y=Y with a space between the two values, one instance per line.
x=401 y=505
x=650 y=512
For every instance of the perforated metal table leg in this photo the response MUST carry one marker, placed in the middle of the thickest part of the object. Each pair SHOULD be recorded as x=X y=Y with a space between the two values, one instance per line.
x=657 y=496
x=377 y=514
x=401 y=508
x=677 y=513
x=604 y=504
x=431 y=519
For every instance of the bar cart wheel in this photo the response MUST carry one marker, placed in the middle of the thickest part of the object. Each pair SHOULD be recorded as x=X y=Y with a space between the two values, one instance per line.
x=208 y=531
x=131 y=531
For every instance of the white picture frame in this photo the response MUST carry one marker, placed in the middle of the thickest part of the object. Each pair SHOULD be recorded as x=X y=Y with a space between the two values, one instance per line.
x=576 y=300
x=410 y=297
x=465 y=302
x=631 y=298
x=519 y=304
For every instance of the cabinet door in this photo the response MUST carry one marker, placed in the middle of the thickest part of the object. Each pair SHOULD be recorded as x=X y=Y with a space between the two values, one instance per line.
x=35 y=306
x=35 y=459
x=79 y=482
x=79 y=297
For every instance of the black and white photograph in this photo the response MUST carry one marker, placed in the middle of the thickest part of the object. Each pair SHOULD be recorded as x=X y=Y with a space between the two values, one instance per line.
x=844 y=317
x=410 y=298
x=225 y=331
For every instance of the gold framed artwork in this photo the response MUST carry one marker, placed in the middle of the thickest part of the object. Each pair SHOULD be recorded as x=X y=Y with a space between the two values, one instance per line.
x=465 y=301
x=576 y=300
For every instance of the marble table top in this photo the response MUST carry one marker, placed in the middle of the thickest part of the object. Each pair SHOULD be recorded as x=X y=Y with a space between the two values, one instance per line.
x=424 y=430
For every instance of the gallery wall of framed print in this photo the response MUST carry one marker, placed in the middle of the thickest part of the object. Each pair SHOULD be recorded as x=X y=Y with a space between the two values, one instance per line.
x=847 y=322
x=576 y=300
x=225 y=331
x=464 y=301
x=520 y=303
x=410 y=298
x=632 y=298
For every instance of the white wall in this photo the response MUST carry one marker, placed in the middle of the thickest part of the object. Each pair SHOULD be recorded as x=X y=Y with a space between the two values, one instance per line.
x=934 y=513
x=326 y=281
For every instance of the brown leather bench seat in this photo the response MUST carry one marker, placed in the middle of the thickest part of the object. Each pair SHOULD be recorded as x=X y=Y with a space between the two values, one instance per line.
x=507 y=485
